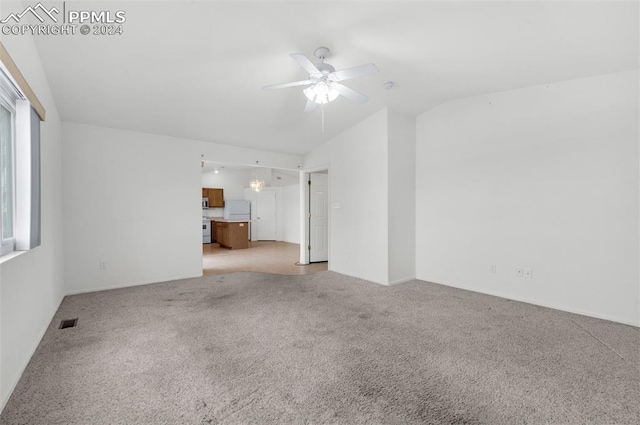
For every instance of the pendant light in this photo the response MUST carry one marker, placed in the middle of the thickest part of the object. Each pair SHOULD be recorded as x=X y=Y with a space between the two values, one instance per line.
x=256 y=184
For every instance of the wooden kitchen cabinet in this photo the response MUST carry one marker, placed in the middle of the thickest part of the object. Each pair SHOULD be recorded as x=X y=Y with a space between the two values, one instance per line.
x=220 y=235
x=233 y=235
x=214 y=232
x=216 y=198
x=214 y=195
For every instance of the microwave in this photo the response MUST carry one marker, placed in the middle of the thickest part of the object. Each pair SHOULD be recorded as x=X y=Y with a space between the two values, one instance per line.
x=205 y=203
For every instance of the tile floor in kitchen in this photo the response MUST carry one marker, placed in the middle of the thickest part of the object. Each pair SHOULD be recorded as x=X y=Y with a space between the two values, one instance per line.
x=262 y=256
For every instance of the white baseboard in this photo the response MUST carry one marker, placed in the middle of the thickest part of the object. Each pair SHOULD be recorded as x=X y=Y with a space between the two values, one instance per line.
x=128 y=285
x=403 y=280
x=538 y=303
x=356 y=276
x=395 y=282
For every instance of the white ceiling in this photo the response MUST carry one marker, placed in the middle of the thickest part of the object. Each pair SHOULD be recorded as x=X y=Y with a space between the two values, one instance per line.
x=195 y=69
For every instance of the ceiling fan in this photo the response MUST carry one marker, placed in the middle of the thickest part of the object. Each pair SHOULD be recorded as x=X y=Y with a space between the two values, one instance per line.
x=325 y=83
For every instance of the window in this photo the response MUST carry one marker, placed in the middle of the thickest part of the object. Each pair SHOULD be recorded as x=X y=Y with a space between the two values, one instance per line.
x=20 y=116
x=7 y=166
x=19 y=170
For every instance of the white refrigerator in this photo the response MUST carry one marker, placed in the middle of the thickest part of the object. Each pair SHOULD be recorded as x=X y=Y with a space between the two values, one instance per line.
x=237 y=210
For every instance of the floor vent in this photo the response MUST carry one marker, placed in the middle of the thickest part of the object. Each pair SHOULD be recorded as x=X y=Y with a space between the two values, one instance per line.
x=69 y=323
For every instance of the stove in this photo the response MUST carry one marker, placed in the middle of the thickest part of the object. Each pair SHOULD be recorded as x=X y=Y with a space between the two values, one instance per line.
x=206 y=231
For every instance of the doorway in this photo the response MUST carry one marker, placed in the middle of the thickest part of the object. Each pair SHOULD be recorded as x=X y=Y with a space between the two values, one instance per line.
x=275 y=235
x=318 y=217
x=265 y=221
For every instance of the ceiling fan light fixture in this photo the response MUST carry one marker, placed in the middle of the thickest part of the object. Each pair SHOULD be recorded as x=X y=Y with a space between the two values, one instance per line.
x=321 y=92
x=325 y=84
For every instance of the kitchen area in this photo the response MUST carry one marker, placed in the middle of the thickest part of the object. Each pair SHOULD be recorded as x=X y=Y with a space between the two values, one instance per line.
x=251 y=220
x=231 y=230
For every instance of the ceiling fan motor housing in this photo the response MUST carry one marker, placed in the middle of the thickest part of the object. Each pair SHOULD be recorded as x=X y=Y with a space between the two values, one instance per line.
x=325 y=68
x=321 y=53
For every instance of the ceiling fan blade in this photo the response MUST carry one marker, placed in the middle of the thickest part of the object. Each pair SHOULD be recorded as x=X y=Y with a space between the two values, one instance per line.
x=305 y=63
x=351 y=94
x=286 y=85
x=310 y=106
x=356 y=71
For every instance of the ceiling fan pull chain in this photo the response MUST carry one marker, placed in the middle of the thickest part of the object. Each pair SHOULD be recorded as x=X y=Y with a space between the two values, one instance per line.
x=322 y=109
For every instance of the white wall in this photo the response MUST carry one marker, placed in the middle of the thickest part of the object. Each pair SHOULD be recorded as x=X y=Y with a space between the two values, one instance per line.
x=31 y=285
x=216 y=152
x=402 y=195
x=358 y=190
x=232 y=181
x=285 y=177
x=129 y=198
x=291 y=213
x=133 y=200
x=544 y=177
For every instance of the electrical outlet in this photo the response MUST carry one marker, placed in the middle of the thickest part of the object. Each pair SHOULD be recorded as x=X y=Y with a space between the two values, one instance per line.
x=103 y=264
x=528 y=273
x=519 y=271
x=492 y=268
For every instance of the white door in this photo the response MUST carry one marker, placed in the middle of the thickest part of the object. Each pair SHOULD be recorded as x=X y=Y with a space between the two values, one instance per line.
x=319 y=220
x=266 y=215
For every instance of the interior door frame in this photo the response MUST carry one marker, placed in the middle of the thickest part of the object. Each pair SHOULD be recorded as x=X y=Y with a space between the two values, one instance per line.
x=304 y=213
x=275 y=213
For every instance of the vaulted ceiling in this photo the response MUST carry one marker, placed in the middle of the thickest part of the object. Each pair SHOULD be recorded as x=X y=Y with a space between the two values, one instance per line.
x=195 y=69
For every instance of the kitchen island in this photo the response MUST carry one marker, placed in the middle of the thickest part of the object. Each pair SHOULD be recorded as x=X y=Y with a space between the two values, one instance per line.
x=232 y=234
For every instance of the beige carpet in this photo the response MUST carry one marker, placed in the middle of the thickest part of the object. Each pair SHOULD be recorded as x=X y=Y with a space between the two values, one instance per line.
x=324 y=348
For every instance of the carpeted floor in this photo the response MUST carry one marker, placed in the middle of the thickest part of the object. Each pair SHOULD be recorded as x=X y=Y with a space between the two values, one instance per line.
x=324 y=348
